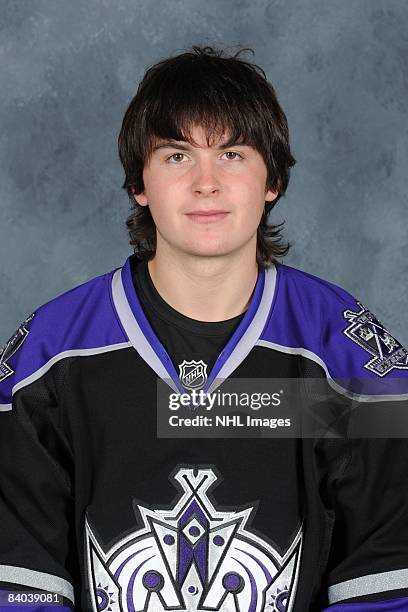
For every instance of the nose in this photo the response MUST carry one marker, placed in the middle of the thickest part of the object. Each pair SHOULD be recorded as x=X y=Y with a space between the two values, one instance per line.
x=205 y=179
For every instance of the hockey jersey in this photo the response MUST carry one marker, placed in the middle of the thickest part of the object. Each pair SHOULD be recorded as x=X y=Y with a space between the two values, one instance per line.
x=100 y=512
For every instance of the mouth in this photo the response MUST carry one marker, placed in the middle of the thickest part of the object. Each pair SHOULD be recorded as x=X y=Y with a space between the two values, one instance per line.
x=207 y=216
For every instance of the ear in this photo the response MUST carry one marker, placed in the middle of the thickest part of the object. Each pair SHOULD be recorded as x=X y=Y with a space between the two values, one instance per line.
x=270 y=195
x=141 y=199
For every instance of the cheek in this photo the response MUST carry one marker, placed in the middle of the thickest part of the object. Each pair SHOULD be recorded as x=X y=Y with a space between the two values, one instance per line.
x=251 y=213
x=161 y=194
x=160 y=214
x=165 y=216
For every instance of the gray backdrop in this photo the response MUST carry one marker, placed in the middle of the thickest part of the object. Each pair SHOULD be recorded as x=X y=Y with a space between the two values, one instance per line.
x=69 y=69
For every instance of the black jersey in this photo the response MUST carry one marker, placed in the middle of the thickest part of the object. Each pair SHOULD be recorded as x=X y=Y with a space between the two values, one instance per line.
x=98 y=509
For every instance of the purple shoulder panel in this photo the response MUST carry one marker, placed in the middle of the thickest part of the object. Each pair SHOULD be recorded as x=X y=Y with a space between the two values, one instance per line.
x=316 y=318
x=79 y=321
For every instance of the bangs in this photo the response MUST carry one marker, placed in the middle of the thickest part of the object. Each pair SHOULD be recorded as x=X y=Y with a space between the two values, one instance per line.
x=196 y=95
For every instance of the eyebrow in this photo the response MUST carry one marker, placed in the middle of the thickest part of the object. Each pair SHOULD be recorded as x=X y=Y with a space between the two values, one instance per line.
x=175 y=144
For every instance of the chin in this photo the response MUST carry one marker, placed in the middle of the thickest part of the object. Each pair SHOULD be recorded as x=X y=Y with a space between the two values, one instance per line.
x=207 y=251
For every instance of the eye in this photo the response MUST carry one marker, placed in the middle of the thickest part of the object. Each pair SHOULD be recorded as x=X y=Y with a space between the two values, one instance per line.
x=234 y=153
x=174 y=155
x=178 y=155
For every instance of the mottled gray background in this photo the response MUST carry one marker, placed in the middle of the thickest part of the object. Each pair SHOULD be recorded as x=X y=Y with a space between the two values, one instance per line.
x=69 y=69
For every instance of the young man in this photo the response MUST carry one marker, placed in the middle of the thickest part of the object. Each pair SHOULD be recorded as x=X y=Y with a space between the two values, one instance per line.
x=103 y=505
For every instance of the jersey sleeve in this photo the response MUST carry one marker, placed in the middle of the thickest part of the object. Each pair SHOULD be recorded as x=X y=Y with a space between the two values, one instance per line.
x=37 y=556
x=367 y=568
x=368 y=561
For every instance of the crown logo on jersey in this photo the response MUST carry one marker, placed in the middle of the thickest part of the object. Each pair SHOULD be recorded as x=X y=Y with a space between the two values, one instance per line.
x=11 y=347
x=367 y=331
x=193 y=374
x=191 y=557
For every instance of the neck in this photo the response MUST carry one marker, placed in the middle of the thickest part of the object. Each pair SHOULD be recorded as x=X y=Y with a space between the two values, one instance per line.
x=205 y=288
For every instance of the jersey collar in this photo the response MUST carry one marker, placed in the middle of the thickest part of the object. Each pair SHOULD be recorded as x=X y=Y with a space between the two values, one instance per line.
x=147 y=344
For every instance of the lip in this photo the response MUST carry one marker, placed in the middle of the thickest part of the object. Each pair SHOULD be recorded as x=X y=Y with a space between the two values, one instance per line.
x=210 y=211
x=207 y=216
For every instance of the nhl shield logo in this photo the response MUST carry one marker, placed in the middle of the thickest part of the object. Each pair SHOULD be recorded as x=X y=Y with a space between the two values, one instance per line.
x=12 y=345
x=367 y=331
x=193 y=374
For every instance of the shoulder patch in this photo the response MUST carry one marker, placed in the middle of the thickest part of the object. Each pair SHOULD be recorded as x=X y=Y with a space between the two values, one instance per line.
x=12 y=346
x=366 y=330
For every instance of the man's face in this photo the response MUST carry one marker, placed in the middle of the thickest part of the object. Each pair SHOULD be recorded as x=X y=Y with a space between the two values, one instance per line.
x=185 y=184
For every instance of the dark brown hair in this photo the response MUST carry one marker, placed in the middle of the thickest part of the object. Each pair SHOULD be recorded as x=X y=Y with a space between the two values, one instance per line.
x=225 y=95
